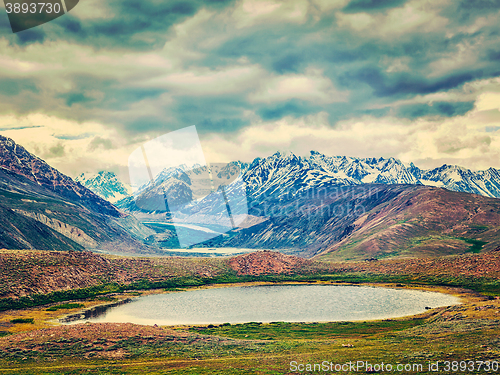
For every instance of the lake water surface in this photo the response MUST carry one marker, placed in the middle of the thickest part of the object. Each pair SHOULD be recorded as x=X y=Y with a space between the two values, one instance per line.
x=269 y=303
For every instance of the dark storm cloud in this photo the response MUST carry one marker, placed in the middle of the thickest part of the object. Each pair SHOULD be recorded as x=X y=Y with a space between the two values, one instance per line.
x=72 y=25
x=446 y=109
x=288 y=63
x=75 y=97
x=406 y=84
x=30 y=36
x=494 y=55
x=375 y=70
x=222 y=113
x=134 y=17
x=151 y=18
x=209 y=114
x=14 y=87
x=471 y=8
x=291 y=52
x=356 y=6
x=134 y=24
x=295 y=108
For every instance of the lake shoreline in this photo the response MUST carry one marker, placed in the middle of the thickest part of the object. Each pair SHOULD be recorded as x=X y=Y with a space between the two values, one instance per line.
x=48 y=320
x=464 y=296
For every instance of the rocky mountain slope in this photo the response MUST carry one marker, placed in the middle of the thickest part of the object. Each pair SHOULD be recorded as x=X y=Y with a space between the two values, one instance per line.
x=268 y=263
x=29 y=272
x=351 y=208
x=426 y=222
x=42 y=208
x=15 y=158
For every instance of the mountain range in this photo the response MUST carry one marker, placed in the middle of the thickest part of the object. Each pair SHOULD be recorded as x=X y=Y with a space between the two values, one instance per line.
x=319 y=205
x=320 y=170
x=335 y=208
x=286 y=173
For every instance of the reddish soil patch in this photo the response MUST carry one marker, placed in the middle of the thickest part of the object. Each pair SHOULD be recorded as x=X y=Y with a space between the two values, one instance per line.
x=472 y=265
x=27 y=272
x=267 y=262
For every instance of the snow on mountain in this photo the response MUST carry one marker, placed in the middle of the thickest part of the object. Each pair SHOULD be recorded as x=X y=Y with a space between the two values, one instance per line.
x=281 y=173
x=105 y=184
x=282 y=176
x=368 y=170
x=453 y=177
x=287 y=174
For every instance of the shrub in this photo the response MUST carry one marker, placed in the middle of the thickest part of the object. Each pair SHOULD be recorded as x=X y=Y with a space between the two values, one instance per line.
x=66 y=306
x=23 y=320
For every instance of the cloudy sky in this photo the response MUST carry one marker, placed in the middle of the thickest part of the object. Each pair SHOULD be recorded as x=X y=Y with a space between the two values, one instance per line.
x=417 y=80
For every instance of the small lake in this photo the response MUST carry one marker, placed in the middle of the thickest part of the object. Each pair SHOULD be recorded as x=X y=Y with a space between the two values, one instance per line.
x=270 y=303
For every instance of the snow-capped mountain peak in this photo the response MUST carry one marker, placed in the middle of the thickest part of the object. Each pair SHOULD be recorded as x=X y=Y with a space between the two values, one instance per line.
x=284 y=175
x=105 y=184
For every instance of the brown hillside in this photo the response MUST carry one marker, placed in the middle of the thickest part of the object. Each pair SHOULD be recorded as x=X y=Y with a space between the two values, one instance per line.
x=469 y=265
x=26 y=272
x=267 y=262
x=30 y=272
x=427 y=222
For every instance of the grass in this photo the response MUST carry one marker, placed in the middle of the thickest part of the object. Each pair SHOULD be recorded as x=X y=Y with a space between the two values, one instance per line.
x=477 y=245
x=23 y=321
x=306 y=331
x=462 y=332
x=271 y=348
x=484 y=285
x=66 y=306
x=469 y=331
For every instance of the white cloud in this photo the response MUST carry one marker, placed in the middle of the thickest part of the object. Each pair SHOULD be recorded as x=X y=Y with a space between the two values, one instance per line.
x=479 y=23
x=92 y=9
x=414 y=16
x=487 y=101
x=253 y=12
x=398 y=64
x=312 y=86
x=328 y=5
x=464 y=55
x=204 y=81
x=463 y=140
x=67 y=58
x=69 y=146
x=470 y=91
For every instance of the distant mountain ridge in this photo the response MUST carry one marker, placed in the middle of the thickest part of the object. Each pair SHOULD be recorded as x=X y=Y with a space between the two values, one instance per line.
x=318 y=169
x=343 y=208
x=285 y=174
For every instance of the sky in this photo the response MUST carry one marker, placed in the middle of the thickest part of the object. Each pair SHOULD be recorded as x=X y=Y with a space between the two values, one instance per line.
x=417 y=80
